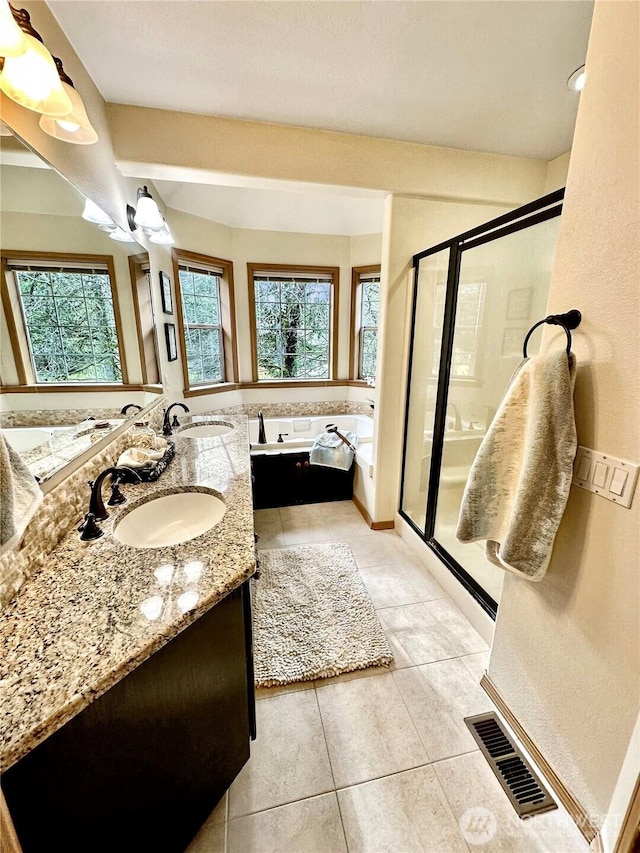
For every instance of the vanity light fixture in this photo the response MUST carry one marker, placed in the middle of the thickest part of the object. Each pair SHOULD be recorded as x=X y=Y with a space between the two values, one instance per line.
x=147 y=213
x=12 y=41
x=96 y=215
x=74 y=127
x=147 y=217
x=31 y=78
x=121 y=236
x=163 y=237
x=576 y=82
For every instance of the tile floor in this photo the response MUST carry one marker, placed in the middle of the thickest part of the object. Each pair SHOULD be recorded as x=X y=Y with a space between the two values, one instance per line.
x=377 y=761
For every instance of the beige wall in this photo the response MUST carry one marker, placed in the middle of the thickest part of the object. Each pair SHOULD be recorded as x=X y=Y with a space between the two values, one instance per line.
x=411 y=225
x=566 y=650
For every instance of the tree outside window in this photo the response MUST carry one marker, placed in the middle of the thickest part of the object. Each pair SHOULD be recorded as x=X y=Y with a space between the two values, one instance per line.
x=70 y=324
x=370 y=312
x=292 y=325
x=200 y=291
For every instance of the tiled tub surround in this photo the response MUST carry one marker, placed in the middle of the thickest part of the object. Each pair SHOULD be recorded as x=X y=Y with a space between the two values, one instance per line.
x=60 y=417
x=99 y=609
x=297 y=410
x=60 y=512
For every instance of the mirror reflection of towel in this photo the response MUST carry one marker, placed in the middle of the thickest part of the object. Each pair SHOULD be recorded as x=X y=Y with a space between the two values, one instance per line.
x=519 y=482
x=330 y=451
x=20 y=496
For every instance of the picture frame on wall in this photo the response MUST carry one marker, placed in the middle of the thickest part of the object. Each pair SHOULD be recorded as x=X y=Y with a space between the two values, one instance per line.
x=172 y=345
x=165 y=290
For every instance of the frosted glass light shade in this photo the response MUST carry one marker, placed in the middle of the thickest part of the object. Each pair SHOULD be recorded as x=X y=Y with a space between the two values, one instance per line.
x=164 y=236
x=32 y=81
x=147 y=212
x=95 y=214
x=12 y=40
x=121 y=236
x=74 y=127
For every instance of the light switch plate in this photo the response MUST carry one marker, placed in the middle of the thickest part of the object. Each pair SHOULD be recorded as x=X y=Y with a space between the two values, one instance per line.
x=605 y=469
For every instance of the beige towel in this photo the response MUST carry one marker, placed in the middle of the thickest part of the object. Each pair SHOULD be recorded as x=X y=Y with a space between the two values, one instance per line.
x=519 y=483
x=20 y=496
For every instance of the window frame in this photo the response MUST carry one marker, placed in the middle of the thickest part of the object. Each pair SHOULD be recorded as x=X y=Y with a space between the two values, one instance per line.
x=226 y=297
x=17 y=324
x=333 y=273
x=476 y=377
x=355 y=337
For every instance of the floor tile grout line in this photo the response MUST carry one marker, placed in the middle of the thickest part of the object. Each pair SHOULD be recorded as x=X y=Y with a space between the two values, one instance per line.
x=335 y=790
x=448 y=802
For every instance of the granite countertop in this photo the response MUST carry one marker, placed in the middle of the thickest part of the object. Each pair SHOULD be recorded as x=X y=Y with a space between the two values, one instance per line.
x=99 y=609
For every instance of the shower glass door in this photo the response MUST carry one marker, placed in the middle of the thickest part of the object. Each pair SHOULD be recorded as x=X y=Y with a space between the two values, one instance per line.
x=475 y=298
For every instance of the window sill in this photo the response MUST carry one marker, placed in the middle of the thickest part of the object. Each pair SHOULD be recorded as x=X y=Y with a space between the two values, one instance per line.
x=218 y=388
x=294 y=383
x=58 y=387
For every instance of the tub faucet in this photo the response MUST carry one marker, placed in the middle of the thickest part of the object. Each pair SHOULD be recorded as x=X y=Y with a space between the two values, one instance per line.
x=125 y=409
x=166 y=426
x=262 y=436
x=456 y=414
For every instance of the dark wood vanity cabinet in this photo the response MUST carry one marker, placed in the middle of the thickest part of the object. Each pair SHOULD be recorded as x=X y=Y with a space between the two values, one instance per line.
x=143 y=766
x=286 y=479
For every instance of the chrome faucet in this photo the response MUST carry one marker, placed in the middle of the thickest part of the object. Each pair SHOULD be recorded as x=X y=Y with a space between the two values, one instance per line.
x=262 y=436
x=97 y=512
x=125 y=409
x=166 y=426
x=456 y=414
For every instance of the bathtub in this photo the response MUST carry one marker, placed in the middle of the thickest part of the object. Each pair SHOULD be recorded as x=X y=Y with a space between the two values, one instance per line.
x=24 y=439
x=282 y=475
x=299 y=433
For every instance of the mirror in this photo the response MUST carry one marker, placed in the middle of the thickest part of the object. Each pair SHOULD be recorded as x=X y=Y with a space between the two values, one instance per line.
x=41 y=217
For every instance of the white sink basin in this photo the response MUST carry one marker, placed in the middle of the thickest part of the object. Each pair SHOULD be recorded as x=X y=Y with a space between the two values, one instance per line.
x=204 y=430
x=170 y=519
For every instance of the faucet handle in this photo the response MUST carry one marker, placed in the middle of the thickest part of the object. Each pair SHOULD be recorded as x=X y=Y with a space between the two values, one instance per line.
x=117 y=497
x=89 y=529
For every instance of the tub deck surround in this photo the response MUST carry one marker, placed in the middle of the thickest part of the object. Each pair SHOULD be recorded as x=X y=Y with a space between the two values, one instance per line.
x=99 y=609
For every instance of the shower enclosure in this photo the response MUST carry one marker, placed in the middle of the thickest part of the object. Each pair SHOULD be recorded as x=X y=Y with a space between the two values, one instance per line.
x=475 y=297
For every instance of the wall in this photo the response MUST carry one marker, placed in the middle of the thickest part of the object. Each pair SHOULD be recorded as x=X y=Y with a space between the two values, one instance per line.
x=411 y=225
x=566 y=651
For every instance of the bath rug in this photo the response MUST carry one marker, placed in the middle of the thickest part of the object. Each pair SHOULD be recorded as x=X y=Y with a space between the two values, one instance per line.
x=312 y=616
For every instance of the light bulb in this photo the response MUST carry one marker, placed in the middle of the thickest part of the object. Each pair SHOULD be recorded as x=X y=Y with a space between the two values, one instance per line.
x=12 y=40
x=73 y=127
x=32 y=81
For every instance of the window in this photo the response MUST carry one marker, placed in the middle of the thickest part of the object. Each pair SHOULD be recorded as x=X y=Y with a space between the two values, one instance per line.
x=70 y=330
x=200 y=290
x=205 y=311
x=468 y=323
x=365 y=311
x=294 y=321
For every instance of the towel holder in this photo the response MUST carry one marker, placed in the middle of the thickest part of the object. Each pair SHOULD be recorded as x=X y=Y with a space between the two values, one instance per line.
x=568 y=321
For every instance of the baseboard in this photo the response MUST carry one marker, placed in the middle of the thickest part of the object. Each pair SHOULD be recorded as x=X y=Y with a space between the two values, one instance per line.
x=576 y=811
x=374 y=525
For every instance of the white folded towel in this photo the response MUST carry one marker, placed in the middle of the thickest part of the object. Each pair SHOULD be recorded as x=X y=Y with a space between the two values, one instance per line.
x=137 y=457
x=519 y=482
x=20 y=496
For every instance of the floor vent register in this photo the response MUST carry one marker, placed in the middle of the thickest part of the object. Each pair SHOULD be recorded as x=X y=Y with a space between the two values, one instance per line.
x=525 y=791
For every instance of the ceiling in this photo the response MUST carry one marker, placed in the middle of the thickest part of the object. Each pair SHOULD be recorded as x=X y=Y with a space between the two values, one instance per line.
x=481 y=75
